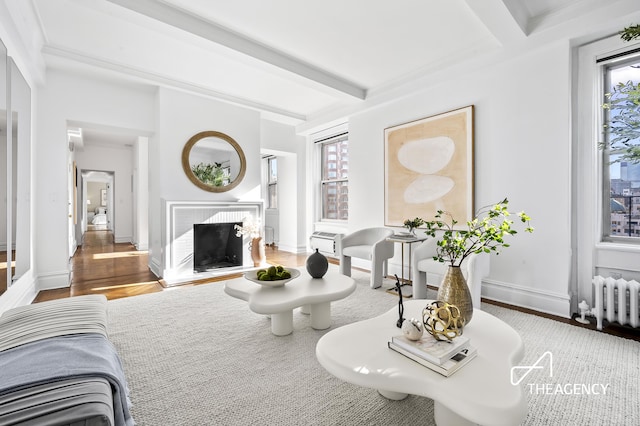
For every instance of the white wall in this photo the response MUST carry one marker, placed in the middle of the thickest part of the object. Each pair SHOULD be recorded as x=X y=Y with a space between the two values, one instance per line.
x=93 y=195
x=141 y=193
x=522 y=151
x=80 y=99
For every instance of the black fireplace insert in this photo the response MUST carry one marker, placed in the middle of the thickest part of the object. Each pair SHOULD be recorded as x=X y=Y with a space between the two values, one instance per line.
x=215 y=245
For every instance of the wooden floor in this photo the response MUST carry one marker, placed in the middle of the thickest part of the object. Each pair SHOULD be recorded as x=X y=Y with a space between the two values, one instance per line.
x=101 y=266
x=118 y=270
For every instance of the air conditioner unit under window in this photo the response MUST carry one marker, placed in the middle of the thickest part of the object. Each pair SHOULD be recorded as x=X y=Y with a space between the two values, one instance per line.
x=325 y=242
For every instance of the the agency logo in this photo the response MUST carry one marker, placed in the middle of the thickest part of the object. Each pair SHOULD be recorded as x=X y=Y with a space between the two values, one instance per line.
x=529 y=368
x=520 y=372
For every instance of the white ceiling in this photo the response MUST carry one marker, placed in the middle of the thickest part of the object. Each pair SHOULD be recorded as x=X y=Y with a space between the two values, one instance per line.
x=291 y=59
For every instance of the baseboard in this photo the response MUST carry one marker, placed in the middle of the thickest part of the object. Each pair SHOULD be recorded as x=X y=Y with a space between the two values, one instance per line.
x=155 y=267
x=20 y=293
x=526 y=297
x=53 y=280
x=142 y=247
x=118 y=240
x=292 y=249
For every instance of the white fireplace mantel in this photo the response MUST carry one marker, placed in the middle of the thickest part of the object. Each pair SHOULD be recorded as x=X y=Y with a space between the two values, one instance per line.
x=178 y=218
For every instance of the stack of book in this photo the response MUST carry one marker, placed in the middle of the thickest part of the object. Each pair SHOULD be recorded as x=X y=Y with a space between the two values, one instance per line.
x=444 y=357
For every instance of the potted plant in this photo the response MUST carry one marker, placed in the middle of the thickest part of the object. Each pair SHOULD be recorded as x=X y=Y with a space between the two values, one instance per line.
x=412 y=224
x=485 y=233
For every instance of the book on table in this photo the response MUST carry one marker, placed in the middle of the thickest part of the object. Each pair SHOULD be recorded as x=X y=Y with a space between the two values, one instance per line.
x=448 y=367
x=432 y=350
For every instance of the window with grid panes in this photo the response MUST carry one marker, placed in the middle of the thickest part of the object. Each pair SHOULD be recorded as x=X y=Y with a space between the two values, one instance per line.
x=334 y=183
x=621 y=156
x=272 y=183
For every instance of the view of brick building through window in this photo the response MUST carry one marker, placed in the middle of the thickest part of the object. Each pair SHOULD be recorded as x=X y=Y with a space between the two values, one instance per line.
x=334 y=179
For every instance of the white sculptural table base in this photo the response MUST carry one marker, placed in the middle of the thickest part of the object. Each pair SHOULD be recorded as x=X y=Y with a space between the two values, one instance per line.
x=312 y=295
x=479 y=393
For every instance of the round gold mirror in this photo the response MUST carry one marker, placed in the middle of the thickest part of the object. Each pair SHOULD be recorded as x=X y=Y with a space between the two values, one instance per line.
x=213 y=161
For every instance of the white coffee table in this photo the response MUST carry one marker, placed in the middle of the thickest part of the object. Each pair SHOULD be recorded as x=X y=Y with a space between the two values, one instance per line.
x=479 y=393
x=312 y=295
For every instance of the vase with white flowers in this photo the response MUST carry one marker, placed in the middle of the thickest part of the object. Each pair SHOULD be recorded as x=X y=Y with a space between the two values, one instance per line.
x=485 y=233
x=252 y=228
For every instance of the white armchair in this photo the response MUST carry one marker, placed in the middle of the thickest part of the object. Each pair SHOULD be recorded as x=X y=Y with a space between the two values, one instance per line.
x=370 y=244
x=474 y=268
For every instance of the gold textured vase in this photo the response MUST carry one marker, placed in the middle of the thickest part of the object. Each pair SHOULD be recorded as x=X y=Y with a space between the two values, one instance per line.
x=454 y=290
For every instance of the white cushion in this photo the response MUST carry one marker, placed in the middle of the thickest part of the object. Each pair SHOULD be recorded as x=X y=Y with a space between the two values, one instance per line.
x=361 y=252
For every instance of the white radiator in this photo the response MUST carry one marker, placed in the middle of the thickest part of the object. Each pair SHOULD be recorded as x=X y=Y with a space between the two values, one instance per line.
x=325 y=242
x=269 y=235
x=616 y=300
x=271 y=226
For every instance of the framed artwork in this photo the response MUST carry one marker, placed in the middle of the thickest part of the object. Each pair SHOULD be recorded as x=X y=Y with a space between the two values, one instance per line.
x=429 y=167
x=103 y=197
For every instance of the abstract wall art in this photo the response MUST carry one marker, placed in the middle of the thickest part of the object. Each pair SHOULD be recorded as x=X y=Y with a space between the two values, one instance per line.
x=429 y=167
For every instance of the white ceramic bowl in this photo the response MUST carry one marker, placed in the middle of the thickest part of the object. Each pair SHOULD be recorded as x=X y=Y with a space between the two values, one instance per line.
x=252 y=276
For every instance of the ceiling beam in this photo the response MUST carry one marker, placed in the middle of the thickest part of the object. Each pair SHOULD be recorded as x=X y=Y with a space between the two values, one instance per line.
x=213 y=32
x=163 y=80
x=505 y=19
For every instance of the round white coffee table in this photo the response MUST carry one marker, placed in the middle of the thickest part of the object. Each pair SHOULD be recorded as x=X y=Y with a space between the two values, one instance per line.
x=313 y=295
x=479 y=393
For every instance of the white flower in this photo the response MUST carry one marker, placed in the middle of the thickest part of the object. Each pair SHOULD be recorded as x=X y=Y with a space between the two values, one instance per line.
x=249 y=227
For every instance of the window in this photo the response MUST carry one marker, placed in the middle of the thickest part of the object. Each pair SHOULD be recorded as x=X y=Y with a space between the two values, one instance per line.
x=272 y=183
x=334 y=184
x=621 y=153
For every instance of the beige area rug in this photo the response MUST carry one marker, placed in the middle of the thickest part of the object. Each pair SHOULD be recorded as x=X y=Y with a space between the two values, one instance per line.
x=196 y=356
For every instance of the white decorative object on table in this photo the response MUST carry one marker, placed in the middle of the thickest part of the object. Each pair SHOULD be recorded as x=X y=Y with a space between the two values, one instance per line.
x=412 y=329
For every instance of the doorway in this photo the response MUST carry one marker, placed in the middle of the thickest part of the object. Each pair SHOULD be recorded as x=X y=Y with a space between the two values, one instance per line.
x=97 y=190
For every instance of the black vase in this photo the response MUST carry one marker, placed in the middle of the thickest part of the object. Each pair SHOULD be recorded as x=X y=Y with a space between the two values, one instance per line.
x=317 y=265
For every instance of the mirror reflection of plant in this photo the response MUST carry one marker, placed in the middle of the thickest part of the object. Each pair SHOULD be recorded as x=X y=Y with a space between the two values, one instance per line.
x=210 y=174
x=483 y=235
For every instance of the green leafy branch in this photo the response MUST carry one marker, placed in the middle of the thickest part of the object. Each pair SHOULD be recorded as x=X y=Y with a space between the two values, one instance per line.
x=630 y=33
x=483 y=235
x=623 y=105
x=624 y=124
